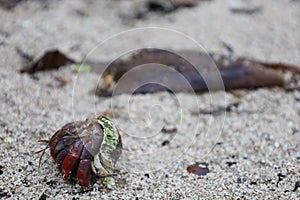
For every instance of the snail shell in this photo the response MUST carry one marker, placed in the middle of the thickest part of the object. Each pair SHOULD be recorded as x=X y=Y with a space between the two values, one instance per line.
x=85 y=149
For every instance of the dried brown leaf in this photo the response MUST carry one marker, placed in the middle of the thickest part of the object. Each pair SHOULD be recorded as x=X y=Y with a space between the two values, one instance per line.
x=52 y=59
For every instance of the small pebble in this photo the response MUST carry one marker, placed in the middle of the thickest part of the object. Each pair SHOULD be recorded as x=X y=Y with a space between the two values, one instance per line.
x=43 y=197
x=200 y=169
x=166 y=142
x=169 y=128
x=297 y=185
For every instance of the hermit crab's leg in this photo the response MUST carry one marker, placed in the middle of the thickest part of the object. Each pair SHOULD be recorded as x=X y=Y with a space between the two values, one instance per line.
x=71 y=160
x=84 y=171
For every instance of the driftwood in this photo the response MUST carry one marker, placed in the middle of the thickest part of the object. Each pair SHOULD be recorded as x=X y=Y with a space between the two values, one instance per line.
x=200 y=72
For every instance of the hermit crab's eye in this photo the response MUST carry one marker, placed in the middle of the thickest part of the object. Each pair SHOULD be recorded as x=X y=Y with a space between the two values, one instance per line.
x=84 y=149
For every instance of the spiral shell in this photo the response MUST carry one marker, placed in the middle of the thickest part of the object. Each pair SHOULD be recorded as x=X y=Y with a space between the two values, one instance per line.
x=86 y=149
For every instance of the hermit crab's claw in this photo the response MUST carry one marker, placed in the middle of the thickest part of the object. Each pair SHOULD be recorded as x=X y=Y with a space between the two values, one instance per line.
x=69 y=165
x=84 y=168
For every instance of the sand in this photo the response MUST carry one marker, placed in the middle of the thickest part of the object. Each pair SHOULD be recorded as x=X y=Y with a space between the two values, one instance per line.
x=253 y=151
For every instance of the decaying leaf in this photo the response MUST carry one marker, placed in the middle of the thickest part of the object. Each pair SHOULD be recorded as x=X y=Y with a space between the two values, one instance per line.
x=52 y=59
x=110 y=183
x=200 y=169
x=143 y=72
x=81 y=68
x=8 y=139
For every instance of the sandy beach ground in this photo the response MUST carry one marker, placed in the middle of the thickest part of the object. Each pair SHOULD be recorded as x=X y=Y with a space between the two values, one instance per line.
x=252 y=152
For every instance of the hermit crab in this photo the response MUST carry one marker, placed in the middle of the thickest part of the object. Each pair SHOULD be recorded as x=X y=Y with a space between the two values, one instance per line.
x=86 y=149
